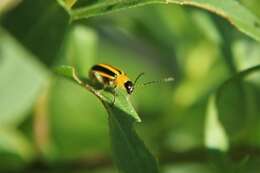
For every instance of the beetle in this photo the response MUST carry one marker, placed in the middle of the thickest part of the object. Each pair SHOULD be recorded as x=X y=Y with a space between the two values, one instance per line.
x=110 y=76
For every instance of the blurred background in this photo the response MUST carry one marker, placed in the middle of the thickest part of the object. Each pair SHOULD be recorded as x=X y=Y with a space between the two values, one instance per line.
x=207 y=121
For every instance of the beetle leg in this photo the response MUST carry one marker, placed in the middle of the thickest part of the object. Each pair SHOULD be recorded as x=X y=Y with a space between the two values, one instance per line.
x=114 y=94
x=114 y=98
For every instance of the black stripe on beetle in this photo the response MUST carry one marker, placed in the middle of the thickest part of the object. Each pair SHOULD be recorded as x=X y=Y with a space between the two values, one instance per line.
x=104 y=70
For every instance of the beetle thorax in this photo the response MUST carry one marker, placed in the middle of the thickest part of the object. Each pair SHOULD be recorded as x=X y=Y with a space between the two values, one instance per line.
x=121 y=80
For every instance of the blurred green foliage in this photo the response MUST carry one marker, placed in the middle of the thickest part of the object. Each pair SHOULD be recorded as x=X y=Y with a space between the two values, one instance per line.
x=206 y=121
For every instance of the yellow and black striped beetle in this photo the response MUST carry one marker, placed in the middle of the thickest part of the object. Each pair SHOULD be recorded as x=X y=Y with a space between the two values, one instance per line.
x=110 y=76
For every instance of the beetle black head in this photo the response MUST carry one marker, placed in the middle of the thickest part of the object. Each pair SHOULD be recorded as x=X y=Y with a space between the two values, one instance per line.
x=129 y=86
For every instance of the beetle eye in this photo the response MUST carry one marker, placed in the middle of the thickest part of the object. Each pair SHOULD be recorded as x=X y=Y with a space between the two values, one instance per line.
x=129 y=87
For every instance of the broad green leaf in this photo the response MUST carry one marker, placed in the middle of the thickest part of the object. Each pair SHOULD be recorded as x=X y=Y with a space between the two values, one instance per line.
x=253 y=5
x=207 y=26
x=236 y=104
x=21 y=80
x=231 y=10
x=43 y=31
x=130 y=153
x=15 y=150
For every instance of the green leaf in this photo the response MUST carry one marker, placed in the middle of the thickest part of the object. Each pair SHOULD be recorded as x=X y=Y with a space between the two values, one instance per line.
x=252 y=5
x=21 y=80
x=42 y=32
x=236 y=104
x=68 y=72
x=130 y=153
x=215 y=136
x=231 y=10
x=15 y=150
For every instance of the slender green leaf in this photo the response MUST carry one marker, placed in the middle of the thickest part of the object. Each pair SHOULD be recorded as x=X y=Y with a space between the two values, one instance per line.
x=21 y=79
x=130 y=153
x=231 y=10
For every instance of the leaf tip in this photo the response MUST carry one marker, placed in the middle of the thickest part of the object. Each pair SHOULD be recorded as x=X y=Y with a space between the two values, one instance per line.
x=138 y=119
x=67 y=71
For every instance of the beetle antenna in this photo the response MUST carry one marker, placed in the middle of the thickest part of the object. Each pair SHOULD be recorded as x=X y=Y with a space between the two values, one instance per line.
x=138 y=77
x=168 y=79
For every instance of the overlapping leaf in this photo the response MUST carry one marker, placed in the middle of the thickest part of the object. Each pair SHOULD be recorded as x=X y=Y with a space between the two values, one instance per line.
x=21 y=79
x=232 y=110
x=231 y=10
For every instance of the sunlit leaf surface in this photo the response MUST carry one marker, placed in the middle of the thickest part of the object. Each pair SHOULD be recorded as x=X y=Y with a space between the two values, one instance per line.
x=21 y=79
x=231 y=10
